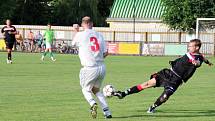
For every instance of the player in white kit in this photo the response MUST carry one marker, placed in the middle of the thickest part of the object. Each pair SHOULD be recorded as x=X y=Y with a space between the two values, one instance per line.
x=92 y=51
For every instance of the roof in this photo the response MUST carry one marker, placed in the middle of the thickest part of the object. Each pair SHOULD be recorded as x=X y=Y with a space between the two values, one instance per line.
x=144 y=9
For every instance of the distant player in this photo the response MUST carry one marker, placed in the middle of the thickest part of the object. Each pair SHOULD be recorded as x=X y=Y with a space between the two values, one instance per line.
x=49 y=38
x=92 y=51
x=9 y=32
x=181 y=70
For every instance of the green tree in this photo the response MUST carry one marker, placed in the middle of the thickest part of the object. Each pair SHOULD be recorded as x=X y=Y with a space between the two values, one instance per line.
x=104 y=7
x=67 y=12
x=7 y=9
x=32 y=12
x=57 y=12
x=182 y=14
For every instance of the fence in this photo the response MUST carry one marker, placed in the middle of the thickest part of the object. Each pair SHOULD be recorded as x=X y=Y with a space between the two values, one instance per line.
x=128 y=42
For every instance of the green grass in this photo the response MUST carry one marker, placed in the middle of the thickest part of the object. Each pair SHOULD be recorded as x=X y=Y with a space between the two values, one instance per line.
x=31 y=90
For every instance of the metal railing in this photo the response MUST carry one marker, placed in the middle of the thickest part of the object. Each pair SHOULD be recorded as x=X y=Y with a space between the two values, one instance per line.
x=65 y=34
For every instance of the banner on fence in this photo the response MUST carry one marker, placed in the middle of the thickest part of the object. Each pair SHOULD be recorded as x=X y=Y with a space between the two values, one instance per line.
x=2 y=44
x=113 y=48
x=129 y=48
x=153 y=49
x=173 y=49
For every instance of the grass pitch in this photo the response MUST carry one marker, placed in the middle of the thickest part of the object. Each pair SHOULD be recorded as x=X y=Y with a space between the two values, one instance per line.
x=31 y=90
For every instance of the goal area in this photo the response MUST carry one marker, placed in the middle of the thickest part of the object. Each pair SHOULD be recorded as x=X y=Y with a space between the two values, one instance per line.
x=205 y=31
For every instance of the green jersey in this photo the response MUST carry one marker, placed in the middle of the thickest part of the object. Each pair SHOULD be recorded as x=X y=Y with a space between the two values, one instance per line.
x=49 y=35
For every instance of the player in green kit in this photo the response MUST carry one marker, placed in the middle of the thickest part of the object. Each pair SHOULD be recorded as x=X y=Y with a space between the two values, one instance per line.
x=49 y=37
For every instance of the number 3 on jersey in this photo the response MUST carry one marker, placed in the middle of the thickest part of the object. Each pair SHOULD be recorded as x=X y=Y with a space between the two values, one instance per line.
x=94 y=44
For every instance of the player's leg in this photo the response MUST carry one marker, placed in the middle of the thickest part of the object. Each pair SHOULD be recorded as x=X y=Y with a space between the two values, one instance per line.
x=51 y=54
x=49 y=47
x=102 y=102
x=9 y=56
x=99 y=94
x=47 y=50
x=9 y=52
x=44 y=54
x=87 y=77
x=136 y=89
x=168 y=91
x=88 y=96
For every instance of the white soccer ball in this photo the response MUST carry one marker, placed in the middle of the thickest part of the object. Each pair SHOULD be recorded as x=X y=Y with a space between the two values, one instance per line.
x=108 y=90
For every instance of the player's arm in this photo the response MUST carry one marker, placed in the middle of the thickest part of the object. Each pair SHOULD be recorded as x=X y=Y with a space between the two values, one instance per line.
x=75 y=40
x=104 y=46
x=207 y=62
x=14 y=32
x=2 y=31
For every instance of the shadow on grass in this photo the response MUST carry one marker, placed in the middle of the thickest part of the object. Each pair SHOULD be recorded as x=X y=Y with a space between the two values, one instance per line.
x=174 y=113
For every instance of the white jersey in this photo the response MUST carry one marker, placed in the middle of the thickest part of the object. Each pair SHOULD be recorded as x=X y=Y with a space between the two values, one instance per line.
x=91 y=47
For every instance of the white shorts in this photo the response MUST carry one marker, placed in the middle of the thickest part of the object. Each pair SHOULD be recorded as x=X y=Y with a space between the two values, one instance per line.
x=92 y=77
x=48 y=45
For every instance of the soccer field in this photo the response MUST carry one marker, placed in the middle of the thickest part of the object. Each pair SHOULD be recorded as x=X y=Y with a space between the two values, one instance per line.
x=31 y=90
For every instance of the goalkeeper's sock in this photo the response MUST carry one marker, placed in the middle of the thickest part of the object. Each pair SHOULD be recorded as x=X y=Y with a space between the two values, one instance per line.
x=132 y=90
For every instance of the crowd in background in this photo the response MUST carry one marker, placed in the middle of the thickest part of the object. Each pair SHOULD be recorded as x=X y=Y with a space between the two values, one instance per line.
x=35 y=42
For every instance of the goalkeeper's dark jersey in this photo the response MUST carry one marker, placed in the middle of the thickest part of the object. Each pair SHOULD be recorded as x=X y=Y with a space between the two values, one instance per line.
x=183 y=66
x=9 y=38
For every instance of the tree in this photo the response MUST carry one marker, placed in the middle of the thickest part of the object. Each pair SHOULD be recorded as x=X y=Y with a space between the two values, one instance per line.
x=68 y=12
x=104 y=7
x=7 y=9
x=181 y=14
x=32 y=12
x=57 y=12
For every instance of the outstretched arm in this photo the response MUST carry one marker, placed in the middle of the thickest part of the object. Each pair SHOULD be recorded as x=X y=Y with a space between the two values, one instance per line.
x=208 y=62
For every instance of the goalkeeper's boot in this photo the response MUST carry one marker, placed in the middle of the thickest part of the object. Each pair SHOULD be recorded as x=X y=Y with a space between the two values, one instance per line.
x=119 y=94
x=151 y=109
x=93 y=110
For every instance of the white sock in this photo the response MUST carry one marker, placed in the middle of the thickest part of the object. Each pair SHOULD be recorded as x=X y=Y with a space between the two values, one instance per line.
x=88 y=96
x=103 y=103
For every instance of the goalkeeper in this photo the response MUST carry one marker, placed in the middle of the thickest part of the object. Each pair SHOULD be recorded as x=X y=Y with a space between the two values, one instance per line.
x=181 y=70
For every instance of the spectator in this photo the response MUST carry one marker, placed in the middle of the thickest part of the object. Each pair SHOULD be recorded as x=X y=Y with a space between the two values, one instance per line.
x=75 y=31
x=19 y=40
x=39 y=41
x=31 y=40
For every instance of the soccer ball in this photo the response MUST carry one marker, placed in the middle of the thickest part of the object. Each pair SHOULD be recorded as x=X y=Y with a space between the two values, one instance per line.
x=108 y=90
